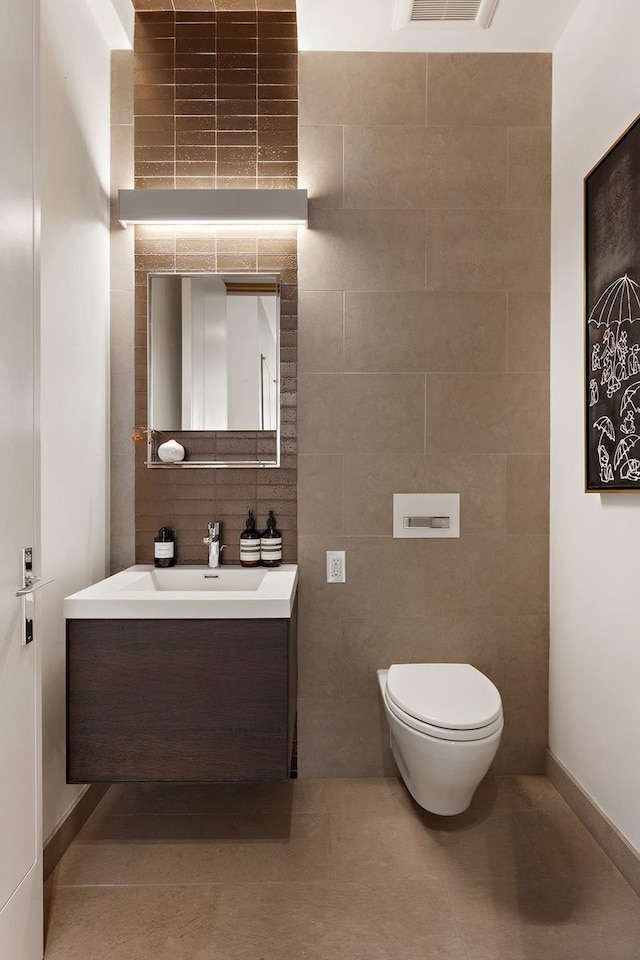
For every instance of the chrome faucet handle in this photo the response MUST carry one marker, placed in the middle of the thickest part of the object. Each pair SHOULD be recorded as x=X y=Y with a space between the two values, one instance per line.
x=213 y=529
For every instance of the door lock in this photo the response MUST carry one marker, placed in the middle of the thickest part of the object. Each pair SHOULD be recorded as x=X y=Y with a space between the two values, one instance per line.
x=30 y=584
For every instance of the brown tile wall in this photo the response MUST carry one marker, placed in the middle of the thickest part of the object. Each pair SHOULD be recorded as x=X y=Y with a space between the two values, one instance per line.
x=211 y=6
x=122 y=486
x=423 y=358
x=216 y=107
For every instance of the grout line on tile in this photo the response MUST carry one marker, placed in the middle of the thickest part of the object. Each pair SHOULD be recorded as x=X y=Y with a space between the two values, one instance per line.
x=344 y=470
x=344 y=331
x=424 y=406
x=508 y=178
x=342 y=188
x=426 y=89
x=532 y=847
x=505 y=506
x=386 y=373
x=426 y=249
x=455 y=919
x=507 y=325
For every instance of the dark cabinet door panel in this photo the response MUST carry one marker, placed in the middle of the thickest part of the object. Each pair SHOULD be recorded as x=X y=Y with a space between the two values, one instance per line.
x=183 y=700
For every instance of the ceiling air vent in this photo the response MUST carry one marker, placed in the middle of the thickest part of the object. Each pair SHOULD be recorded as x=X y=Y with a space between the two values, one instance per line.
x=444 y=13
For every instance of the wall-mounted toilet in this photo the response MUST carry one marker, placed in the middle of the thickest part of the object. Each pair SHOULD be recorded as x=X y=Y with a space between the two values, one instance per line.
x=445 y=721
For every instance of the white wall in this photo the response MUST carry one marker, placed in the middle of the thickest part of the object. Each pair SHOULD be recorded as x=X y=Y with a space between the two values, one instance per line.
x=243 y=363
x=595 y=540
x=518 y=25
x=204 y=354
x=75 y=116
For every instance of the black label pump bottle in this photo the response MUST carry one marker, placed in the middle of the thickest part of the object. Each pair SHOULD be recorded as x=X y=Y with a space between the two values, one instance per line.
x=250 y=544
x=271 y=544
x=164 y=548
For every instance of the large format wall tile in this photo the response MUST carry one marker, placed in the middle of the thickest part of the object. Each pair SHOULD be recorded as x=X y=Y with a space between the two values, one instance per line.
x=122 y=373
x=481 y=481
x=425 y=277
x=370 y=88
x=321 y=173
x=385 y=166
x=504 y=89
x=385 y=577
x=343 y=738
x=363 y=250
x=430 y=332
x=418 y=166
x=320 y=494
x=529 y=167
x=466 y=167
x=320 y=331
x=488 y=250
x=320 y=671
x=482 y=413
x=370 y=645
x=369 y=484
x=528 y=494
x=487 y=575
x=528 y=332
x=361 y=413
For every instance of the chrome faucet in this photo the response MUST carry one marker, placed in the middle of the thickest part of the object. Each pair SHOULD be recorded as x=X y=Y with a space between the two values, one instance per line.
x=213 y=542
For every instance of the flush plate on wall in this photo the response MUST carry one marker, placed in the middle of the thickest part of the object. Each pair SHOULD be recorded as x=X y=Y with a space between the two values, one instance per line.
x=426 y=515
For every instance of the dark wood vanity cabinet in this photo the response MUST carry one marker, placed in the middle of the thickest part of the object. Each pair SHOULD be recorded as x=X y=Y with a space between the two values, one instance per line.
x=180 y=700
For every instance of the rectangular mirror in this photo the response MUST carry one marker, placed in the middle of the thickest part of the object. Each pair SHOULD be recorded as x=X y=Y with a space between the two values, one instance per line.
x=214 y=368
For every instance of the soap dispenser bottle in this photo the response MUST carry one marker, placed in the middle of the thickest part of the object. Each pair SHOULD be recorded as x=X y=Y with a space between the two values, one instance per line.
x=271 y=544
x=164 y=548
x=250 y=544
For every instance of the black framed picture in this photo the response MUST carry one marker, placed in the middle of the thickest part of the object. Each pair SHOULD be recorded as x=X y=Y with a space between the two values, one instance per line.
x=612 y=285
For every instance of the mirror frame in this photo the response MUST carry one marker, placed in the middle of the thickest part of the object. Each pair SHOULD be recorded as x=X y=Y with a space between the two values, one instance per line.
x=152 y=460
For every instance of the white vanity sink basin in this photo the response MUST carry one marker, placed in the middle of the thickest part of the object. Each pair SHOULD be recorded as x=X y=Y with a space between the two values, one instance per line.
x=184 y=592
x=199 y=578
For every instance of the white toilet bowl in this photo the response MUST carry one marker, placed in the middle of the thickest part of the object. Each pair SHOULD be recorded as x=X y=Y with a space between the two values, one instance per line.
x=445 y=721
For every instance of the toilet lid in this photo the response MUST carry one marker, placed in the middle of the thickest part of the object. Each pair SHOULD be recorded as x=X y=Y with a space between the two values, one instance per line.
x=455 y=696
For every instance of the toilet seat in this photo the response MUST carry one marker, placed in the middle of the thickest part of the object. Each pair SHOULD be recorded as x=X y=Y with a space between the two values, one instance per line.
x=443 y=733
x=448 y=701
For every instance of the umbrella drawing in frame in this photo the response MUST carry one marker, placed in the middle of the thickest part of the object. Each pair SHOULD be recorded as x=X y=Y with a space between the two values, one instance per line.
x=606 y=428
x=613 y=354
x=629 y=467
x=629 y=408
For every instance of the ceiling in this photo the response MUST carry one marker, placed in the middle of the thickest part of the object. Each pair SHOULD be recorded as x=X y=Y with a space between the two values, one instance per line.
x=518 y=25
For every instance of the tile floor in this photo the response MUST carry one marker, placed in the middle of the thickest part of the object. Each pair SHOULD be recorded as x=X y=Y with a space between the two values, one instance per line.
x=337 y=870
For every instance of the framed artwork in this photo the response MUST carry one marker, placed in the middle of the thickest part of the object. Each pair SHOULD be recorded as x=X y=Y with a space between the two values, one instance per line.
x=612 y=296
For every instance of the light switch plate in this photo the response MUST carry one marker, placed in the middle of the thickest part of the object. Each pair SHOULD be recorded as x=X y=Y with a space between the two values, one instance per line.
x=420 y=507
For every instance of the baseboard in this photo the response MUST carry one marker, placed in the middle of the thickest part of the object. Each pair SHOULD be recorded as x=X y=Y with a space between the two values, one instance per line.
x=617 y=848
x=66 y=831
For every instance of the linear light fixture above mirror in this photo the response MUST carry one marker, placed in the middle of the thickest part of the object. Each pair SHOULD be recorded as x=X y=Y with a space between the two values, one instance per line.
x=212 y=206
